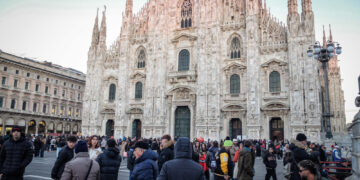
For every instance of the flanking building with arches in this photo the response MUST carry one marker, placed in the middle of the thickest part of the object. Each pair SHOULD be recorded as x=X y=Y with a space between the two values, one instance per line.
x=40 y=97
x=204 y=68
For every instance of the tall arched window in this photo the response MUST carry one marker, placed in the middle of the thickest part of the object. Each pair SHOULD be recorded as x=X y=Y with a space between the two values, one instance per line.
x=184 y=60
x=112 y=91
x=235 y=48
x=138 y=90
x=186 y=14
x=234 y=84
x=274 y=82
x=141 y=59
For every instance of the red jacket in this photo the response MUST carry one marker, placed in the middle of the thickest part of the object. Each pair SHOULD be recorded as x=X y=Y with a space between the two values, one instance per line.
x=202 y=162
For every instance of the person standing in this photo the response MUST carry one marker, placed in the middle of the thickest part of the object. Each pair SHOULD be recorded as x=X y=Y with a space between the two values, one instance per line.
x=81 y=167
x=65 y=155
x=37 y=146
x=145 y=166
x=16 y=153
x=246 y=162
x=234 y=148
x=52 y=144
x=109 y=161
x=103 y=143
x=202 y=161
x=94 y=148
x=167 y=150
x=270 y=163
x=224 y=164
x=131 y=158
x=43 y=147
x=182 y=167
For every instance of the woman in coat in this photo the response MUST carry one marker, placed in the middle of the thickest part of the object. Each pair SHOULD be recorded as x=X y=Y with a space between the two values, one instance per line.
x=109 y=162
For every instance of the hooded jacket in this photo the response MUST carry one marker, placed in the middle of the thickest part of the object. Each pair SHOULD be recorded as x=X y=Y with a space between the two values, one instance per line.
x=78 y=168
x=270 y=160
x=65 y=155
x=15 y=156
x=109 y=162
x=145 y=167
x=224 y=163
x=166 y=154
x=182 y=167
x=246 y=163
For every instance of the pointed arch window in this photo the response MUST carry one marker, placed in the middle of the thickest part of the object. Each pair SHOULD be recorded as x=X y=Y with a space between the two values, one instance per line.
x=184 y=60
x=186 y=14
x=112 y=91
x=274 y=82
x=141 y=59
x=138 y=90
x=235 y=48
x=235 y=84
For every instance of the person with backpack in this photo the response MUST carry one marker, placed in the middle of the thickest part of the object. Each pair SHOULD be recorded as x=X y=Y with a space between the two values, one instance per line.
x=270 y=163
x=224 y=164
x=109 y=161
x=210 y=156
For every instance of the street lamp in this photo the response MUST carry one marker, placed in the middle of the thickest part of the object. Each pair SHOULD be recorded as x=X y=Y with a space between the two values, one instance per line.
x=323 y=54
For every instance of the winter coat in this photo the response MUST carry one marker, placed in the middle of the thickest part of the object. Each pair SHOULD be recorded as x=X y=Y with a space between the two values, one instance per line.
x=224 y=163
x=109 y=162
x=246 y=163
x=78 y=168
x=65 y=155
x=270 y=161
x=14 y=157
x=131 y=160
x=145 y=167
x=182 y=167
x=166 y=154
x=37 y=144
x=202 y=161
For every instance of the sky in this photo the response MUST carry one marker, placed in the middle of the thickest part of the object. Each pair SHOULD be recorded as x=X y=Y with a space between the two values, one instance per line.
x=60 y=31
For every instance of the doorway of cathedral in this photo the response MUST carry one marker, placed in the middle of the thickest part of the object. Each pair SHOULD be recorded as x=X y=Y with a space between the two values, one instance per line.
x=276 y=129
x=136 y=129
x=182 y=121
x=42 y=126
x=235 y=128
x=110 y=128
x=32 y=127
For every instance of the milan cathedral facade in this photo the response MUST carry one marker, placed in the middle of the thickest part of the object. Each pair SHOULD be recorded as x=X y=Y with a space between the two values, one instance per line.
x=205 y=69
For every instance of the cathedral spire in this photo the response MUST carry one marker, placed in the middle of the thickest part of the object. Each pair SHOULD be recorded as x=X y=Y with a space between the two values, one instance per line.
x=292 y=7
x=324 y=37
x=103 y=28
x=129 y=7
x=306 y=6
x=95 y=35
x=331 y=37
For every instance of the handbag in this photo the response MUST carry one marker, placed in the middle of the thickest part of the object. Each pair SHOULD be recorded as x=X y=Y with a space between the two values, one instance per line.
x=87 y=175
x=125 y=154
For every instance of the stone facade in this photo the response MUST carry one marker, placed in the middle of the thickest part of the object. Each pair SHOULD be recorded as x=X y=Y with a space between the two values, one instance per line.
x=41 y=97
x=205 y=68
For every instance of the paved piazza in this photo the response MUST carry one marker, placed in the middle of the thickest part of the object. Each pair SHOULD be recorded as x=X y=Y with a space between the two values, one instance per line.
x=40 y=168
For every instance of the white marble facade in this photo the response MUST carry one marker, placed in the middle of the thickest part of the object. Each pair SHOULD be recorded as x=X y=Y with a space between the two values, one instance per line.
x=156 y=36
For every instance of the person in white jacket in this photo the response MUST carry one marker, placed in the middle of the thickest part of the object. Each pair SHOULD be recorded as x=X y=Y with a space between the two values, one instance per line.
x=94 y=148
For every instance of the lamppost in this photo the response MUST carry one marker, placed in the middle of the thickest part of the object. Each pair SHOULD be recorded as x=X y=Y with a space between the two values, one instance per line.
x=323 y=55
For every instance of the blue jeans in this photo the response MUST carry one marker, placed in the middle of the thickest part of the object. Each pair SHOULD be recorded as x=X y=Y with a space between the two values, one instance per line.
x=130 y=174
x=57 y=151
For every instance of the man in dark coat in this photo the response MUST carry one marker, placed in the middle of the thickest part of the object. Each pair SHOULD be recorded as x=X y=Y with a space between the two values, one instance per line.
x=145 y=166
x=109 y=162
x=182 y=167
x=246 y=162
x=65 y=155
x=167 y=150
x=270 y=163
x=15 y=155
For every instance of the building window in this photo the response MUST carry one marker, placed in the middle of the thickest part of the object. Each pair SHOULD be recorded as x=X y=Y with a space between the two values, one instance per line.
x=69 y=112
x=44 y=108
x=26 y=85
x=62 y=110
x=64 y=83
x=53 y=109
x=72 y=85
x=63 y=93
x=141 y=59
x=235 y=48
x=1 y=102
x=12 y=105
x=56 y=81
x=138 y=90
x=79 y=95
x=5 y=68
x=184 y=60
x=77 y=112
x=46 y=89
x=47 y=79
x=16 y=71
x=15 y=83
x=27 y=74
x=55 y=91
x=79 y=87
x=112 y=91
x=274 y=82
x=186 y=14
x=234 y=84
x=3 y=80
x=34 y=107
x=24 y=106
x=37 y=87
x=38 y=77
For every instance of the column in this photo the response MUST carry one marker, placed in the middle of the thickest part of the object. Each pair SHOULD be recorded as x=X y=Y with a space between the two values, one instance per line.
x=37 y=127
x=26 y=126
x=63 y=128
x=3 y=127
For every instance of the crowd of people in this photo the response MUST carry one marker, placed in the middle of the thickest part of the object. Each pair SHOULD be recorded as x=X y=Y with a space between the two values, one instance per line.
x=166 y=158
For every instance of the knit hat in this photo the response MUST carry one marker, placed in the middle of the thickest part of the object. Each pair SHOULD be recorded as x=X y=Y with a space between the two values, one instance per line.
x=301 y=137
x=111 y=143
x=81 y=146
x=142 y=145
x=228 y=143
x=16 y=128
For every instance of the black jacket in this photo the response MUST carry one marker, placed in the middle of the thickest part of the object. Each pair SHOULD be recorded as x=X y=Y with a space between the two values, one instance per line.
x=166 y=154
x=15 y=156
x=131 y=159
x=37 y=144
x=109 y=162
x=65 y=155
x=298 y=154
x=182 y=167
x=270 y=161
